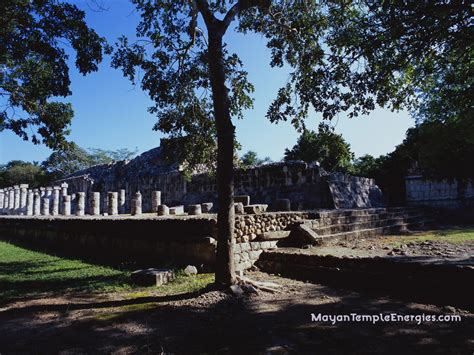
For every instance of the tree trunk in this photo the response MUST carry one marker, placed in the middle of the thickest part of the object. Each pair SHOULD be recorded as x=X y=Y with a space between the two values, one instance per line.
x=225 y=269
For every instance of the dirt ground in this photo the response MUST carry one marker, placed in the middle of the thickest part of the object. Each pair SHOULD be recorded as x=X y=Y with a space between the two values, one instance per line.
x=217 y=322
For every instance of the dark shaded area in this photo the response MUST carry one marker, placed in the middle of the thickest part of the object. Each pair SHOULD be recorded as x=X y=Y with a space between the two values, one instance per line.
x=237 y=326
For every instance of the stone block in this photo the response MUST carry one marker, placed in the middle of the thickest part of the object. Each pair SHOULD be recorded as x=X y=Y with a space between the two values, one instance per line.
x=163 y=210
x=177 y=210
x=206 y=207
x=194 y=209
x=255 y=209
x=238 y=208
x=152 y=277
x=244 y=199
x=275 y=235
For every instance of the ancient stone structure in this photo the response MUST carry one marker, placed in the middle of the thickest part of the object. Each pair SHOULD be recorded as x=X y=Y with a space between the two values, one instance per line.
x=95 y=204
x=137 y=204
x=163 y=210
x=112 y=203
x=29 y=203
x=306 y=185
x=155 y=200
x=55 y=207
x=45 y=206
x=66 y=205
x=37 y=203
x=438 y=194
x=81 y=203
x=23 y=198
x=122 y=199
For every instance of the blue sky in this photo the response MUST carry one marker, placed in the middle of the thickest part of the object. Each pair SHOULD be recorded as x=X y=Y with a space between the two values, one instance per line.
x=111 y=114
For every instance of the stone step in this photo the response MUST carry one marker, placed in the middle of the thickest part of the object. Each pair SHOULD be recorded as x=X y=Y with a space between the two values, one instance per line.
x=375 y=223
x=363 y=212
x=374 y=232
x=327 y=221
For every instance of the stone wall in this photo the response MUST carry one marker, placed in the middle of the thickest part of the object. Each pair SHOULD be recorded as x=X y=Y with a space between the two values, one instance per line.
x=306 y=185
x=438 y=194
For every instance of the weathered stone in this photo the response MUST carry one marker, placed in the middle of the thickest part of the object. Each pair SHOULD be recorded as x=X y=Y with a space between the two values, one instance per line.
x=29 y=203
x=206 y=207
x=55 y=205
x=112 y=203
x=236 y=290
x=66 y=205
x=37 y=203
x=11 y=201
x=94 y=203
x=163 y=210
x=302 y=234
x=16 y=200
x=45 y=206
x=136 y=208
x=122 y=199
x=274 y=235
x=244 y=199
x=152 y=277
x=190 y=270
x=23 y=198
x=194 y=209
x=255 y=209
x=80 y=203
x=239 y=208
x=155 y=201
x=177 y=210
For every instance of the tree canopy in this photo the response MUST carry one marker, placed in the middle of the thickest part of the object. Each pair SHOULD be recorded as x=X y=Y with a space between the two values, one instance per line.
x=327 y=148
x=251 y=158
x=22 y=172
x=33 y=66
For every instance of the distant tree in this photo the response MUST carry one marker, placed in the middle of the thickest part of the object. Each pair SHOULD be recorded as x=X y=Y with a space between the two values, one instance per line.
x=367 y=166
x=327 y=148
x=33 y=66
x=64 y=162
x=251 y=158
x=21 y=172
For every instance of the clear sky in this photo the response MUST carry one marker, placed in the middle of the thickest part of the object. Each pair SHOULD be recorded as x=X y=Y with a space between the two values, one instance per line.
x=111 y=114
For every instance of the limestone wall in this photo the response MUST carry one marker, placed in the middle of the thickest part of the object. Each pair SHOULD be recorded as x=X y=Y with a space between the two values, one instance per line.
x=438 y=194
x=305 y=185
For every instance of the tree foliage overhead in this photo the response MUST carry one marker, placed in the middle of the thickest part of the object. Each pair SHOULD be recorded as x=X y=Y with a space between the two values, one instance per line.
x=251 y=158
x=33 y=66
x=327 y=148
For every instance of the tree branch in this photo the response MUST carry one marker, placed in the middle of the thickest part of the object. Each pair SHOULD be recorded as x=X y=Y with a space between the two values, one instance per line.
x=242 y=5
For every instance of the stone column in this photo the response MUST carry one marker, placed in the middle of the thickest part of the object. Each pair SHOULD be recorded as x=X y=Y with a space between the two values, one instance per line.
x=64 y=187
x=121 y=203
x=23 y=198
x=2 y=196
x=49 y=194
x=55 y=207
x=112 y=203
x=163 y=210
x=6 y=201
x=194 y=209
x=42 y=191
x=95 y=204
x=80 y=203
x=11 y=201
x=66 y=205
x=136 y=208
x=29 y=203
x=45 y=206
x=155 y=201
x=73 y=203
x=16 y=199
x=37 y=203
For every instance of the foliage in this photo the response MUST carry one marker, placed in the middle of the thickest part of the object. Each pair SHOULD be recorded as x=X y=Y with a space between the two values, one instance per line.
x=20 y=172
x=67 y=161
x=34 y=67
x=367 y=166
x=251 y=158
x=327 y=148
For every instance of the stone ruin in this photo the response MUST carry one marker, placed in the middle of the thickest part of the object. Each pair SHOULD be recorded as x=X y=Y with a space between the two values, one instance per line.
x=141 y=185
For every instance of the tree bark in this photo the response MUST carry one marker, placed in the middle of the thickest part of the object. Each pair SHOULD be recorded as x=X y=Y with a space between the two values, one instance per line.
x=225 y=269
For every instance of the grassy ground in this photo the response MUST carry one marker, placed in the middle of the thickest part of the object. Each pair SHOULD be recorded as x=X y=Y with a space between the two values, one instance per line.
x=25 y=273
x=450 y=235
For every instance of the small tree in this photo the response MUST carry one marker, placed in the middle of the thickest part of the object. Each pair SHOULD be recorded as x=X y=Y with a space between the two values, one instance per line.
x=327 y=148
